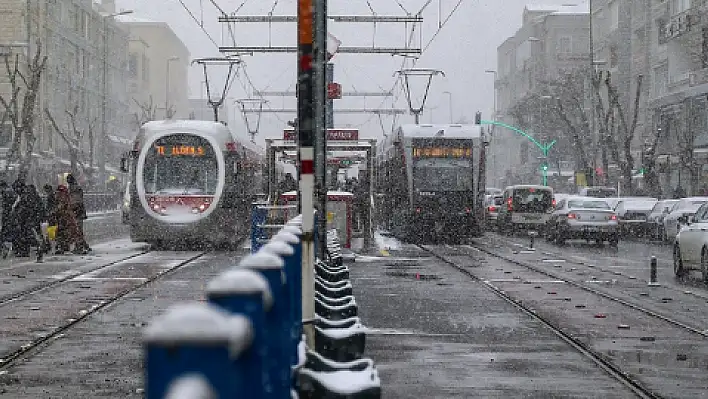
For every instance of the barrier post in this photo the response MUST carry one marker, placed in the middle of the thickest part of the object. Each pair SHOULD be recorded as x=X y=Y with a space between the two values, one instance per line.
x=246 y=292
x=258 y=218
x=198 y=338
x=271 y=267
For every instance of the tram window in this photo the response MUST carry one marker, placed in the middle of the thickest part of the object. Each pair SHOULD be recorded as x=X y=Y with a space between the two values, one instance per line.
x=442 y=178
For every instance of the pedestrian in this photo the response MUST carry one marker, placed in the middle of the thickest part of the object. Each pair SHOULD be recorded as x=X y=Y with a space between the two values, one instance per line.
x=22 y=236
x=50 y=207
x=76 y=195
x=113 y=188
x=37 y=214
x=7 y=196
x=67 y=228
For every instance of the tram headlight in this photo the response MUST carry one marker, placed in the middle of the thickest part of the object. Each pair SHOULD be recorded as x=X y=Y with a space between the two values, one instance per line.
x=202 y=207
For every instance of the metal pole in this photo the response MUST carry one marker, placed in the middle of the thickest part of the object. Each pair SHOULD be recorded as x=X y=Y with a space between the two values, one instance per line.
x=652 y=272
x=101 y=143
x=330 y=102
x=167 y=88
x=592 y=99
x=320 y=112
x=305 y=127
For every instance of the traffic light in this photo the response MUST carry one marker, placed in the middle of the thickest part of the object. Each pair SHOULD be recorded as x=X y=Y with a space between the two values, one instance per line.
x=478 y=118
x=544 y=167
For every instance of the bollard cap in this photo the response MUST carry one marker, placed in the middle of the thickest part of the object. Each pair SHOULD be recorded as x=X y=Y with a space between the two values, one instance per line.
x=190 y=386
x=202 y=323
x=279 y=248
x=286 y=237
x=295 y=230
x=262 y=260
x=241 y=281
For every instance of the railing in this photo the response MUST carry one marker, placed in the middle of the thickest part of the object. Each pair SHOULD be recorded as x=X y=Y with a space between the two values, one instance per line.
x=246 y=341
x=265 y=220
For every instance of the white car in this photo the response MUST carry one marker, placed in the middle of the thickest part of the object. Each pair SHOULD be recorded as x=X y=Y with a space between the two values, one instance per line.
x=673 y=221
x=655 y=220
x=691 y=245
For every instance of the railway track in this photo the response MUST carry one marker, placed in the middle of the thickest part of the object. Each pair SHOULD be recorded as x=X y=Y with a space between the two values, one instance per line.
x=586 y=287
x=18 y=295
x=637 y=387
x=33 y=346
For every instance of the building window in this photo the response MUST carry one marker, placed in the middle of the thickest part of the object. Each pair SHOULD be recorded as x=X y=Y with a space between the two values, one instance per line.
x=133 y=65
x=614 y=57
x=679 y=6
x=661 y=30
x=661 y=80
x=704 y=48
x=614 y=15
x=565 y=45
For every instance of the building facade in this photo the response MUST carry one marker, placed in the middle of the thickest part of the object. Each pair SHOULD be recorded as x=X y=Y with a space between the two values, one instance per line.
x=83 y=83
x=549 y=43
x=158 y=70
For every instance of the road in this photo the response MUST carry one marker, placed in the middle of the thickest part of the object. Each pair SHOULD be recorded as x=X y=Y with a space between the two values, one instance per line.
x=489 y=318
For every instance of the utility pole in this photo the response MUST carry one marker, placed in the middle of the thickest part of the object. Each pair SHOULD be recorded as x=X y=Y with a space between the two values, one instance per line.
x=321 y=114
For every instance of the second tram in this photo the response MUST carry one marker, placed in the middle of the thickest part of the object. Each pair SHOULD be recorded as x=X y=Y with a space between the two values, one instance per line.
x=431 y=182
x=191 y=183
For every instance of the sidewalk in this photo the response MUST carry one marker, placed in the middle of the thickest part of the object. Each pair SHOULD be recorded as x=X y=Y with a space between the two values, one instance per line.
x=436 y=333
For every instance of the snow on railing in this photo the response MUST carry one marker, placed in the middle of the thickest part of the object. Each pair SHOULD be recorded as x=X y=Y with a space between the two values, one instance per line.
x=247 y=340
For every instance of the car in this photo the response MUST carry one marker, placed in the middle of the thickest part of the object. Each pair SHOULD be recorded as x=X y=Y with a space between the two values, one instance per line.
x=585 y=218
x=655 y=220
x=691 y=245
x=632 y=215
x=598 y=192
x=526 y=207
x=493 y=203
x=677 y=218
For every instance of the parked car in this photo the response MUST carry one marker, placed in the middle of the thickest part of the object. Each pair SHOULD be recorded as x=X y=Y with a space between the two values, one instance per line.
x=493 y=204
x=526 y=207
x=598 y=192
x=632 y=215
x=583 y=218
x=677 y=218
x=691 y=245
x=655 y=220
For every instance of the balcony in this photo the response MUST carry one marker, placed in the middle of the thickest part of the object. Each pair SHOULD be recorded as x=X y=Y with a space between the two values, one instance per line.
x=682 y=23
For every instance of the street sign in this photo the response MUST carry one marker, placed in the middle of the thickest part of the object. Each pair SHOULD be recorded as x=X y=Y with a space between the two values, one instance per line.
x=332 y=134
x=334 y=91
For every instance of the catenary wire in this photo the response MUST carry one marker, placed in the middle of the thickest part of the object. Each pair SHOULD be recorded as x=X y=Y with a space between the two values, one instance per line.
x=197 y=22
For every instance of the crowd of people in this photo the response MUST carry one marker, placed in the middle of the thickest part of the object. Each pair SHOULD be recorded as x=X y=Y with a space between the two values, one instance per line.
x=28 y=218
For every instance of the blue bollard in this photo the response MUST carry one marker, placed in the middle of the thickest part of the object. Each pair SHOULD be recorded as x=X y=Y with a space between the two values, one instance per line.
x=258 y=217
x=198 y=338
x=271 y=266
x=287 y=252
x=293 y=273
x=246 y=292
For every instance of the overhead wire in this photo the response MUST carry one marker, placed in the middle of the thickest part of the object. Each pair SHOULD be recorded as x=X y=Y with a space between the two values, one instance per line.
x=197 y=22
x=442 y=25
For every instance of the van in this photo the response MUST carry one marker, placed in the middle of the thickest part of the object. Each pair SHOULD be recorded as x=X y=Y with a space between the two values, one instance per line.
x=525 y=207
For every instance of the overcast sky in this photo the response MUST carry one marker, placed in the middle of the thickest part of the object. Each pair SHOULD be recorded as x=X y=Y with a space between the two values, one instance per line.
x=464 y=48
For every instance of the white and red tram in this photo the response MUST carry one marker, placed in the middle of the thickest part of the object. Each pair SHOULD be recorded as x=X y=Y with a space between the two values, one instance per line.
x=191 y=184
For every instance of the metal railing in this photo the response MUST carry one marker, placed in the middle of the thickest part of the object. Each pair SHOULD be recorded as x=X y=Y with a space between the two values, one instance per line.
x=247 y=340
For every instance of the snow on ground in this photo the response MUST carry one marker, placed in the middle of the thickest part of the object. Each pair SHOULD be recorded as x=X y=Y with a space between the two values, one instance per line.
x=386 y=242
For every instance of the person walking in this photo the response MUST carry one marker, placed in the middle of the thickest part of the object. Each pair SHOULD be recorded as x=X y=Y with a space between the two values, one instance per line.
x=76 y=195
x=50 y=210
x=67 y=228
x=22 y=237
x=36 y=215
x=7 y=195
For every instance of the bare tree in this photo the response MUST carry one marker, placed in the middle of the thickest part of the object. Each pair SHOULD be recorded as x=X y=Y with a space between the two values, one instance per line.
x=649 y=157
x=686 y=139
x=73 y=136
x=148 y=111
x=20 y=106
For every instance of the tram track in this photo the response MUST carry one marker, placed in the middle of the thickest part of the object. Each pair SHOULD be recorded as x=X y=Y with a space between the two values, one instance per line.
x=19 y=295
x=585 y=287
x=639 y=388
x=35 y=345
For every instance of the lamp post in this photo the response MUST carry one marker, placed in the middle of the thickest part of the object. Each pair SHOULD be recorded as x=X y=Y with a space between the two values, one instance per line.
x=449 y=101
x=104 y=133
x=494 y=118
x=167 y=85
x=543 y=138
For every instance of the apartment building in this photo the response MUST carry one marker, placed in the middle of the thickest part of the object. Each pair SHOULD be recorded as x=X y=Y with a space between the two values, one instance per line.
x=158 y=66
x=679 y=100
x=85 y=74
x=550 y=42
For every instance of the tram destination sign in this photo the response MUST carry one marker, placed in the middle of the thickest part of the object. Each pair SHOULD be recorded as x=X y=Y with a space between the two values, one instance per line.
x=332 y=134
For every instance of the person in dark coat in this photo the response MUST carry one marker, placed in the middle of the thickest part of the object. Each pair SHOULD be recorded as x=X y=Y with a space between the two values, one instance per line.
x=50 y=204
x=76 y=195
x=21 y=216
x=7 y=195
x=67 y=228
x=37 y=214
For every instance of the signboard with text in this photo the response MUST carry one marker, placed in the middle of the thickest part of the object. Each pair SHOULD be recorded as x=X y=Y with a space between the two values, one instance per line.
x=332 y=134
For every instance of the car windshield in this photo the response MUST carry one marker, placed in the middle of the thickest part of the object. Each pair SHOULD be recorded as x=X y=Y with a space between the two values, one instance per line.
x=601 y=192
x=532 y=200
x=585 y=204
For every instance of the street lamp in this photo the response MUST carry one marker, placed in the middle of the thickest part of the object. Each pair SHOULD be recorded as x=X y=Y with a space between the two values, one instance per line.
x=494 y=117
x=104 y=133
x=542 y=137
x=449 y=100
x=167 y=85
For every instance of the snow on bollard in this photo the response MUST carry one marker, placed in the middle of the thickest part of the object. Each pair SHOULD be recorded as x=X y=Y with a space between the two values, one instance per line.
x=336 y=311
x=191 y=387
x=332 y=275
x=293 y=273
x=242 y=291
x=341 y=344
x=198 y=338
x=271 y=267
x=346 y=384
x=332 y=291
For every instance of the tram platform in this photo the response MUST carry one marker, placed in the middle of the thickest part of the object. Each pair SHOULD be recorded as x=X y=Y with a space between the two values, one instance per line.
x=436 y=333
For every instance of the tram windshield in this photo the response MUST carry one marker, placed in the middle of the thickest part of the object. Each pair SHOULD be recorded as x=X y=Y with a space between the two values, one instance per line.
x=444 y=176
x=181 y=164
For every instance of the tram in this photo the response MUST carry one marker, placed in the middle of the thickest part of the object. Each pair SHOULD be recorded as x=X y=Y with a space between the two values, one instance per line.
x=191 y=184
x=431 y=182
